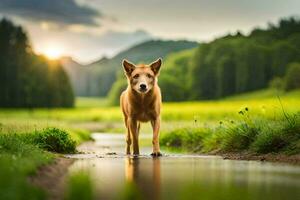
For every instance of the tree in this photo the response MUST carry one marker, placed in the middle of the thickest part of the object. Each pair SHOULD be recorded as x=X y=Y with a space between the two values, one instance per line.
x=292 y=77
x=28 y=80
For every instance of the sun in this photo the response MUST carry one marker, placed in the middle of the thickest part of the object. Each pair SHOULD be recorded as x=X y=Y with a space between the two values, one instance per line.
x=53 y=51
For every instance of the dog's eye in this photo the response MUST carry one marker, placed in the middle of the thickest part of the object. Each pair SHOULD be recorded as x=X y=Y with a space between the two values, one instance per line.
x=136 y=76
x=149 y=76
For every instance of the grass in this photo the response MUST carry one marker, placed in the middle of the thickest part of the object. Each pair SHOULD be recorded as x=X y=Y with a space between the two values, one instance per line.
x=26 y=140
x=54 y=140
x=79 y=186
x=174 y=115
x=18 y=159
x=249 y=134
x=21 y=153
x=85 y=102
x=185 y=111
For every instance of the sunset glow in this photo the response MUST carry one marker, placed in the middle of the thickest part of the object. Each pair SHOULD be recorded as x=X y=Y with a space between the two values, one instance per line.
x=53 y=51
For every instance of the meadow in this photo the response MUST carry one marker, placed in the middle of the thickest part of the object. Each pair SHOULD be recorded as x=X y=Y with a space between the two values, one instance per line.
x=95 y=115
x=262 y=122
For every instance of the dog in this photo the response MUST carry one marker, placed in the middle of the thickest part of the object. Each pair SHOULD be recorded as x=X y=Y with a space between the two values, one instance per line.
x=141 y=102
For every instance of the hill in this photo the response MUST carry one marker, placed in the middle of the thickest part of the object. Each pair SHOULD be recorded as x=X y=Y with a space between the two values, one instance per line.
x=230 y=65
x=241 y=63
x=97 y=78
x=78 y=75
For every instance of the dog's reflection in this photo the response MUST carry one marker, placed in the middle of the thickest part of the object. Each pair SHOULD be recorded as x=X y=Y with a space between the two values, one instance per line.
x=145 y=174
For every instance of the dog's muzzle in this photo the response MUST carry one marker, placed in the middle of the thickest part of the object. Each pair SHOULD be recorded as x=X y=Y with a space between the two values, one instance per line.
x=143 y=87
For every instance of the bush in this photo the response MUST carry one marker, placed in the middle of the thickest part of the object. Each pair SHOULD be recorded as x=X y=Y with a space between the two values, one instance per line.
x=277 y=83
x=118 y=87
x=292 y=77
x=55 y=140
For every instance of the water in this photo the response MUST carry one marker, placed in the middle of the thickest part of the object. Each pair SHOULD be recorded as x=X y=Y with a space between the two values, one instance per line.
x=180 y=176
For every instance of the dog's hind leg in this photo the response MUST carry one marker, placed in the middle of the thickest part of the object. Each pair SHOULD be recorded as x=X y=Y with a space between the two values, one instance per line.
x=138 y=128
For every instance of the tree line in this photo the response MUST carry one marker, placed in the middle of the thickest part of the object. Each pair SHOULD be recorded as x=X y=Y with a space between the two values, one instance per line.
x=232 y=64
x=26 y=79
x=235 y=64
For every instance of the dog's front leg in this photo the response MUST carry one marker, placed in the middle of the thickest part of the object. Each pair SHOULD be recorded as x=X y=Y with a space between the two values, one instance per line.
x=134 y=135
x=155 y=126
x=128 y=141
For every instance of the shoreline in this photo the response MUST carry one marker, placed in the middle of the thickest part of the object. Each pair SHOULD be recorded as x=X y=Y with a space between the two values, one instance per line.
x=276 y=158
x=51 y=178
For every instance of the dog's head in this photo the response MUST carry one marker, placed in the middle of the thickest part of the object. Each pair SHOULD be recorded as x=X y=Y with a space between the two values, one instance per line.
x=142 y=77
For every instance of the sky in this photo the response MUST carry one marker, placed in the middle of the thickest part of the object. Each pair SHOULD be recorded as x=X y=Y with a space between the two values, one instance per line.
x=89 y=29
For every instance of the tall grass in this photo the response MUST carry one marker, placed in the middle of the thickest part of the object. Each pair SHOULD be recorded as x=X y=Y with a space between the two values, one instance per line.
x=251 y=134
x=20 y=156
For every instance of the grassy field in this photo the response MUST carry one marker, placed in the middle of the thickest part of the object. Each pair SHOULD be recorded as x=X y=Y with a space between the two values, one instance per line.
x=92 y=114
x=259 y=122
x=265 y=123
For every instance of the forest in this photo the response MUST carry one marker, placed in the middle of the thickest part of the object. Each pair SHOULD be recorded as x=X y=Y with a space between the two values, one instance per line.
x=27 y=79
x=236 y=63
x=232 y=64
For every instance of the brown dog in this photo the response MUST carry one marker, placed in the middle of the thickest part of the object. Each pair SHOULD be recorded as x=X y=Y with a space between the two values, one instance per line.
x=141 y=102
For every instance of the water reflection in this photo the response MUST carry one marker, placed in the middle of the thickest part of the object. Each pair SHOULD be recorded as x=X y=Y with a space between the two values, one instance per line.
x=147 y=179
x=182 y=176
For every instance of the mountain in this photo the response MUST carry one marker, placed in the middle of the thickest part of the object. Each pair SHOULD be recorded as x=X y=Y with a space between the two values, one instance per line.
x=78 y=75
x=104 y=71
x=97 y=78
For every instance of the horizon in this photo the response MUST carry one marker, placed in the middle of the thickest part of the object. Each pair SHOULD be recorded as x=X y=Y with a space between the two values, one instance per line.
x=94 y=29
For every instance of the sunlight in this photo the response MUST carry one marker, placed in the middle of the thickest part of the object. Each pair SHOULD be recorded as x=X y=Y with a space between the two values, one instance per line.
x=53 y=51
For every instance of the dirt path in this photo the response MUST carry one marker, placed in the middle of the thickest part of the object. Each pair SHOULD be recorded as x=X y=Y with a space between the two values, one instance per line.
x=51 y=178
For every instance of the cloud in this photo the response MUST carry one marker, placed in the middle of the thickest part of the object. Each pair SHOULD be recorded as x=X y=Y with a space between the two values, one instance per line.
x=60 y=12
x=85 y=47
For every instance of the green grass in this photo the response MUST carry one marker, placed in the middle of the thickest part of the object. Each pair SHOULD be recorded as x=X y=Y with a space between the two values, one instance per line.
x=249 y=134
x=54 y=140
x=22 y=152
x=219 y=126
x=264 y=94
x=19 y=159
x=204 y=111
x=79 y=186
x=85 y=102
x=130 y=192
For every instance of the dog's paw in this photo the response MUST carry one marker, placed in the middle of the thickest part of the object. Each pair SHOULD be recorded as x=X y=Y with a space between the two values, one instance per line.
x=156 y=154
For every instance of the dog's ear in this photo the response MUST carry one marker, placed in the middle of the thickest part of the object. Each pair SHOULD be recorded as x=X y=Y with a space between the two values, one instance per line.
x=128 y=66
x=155 y=66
